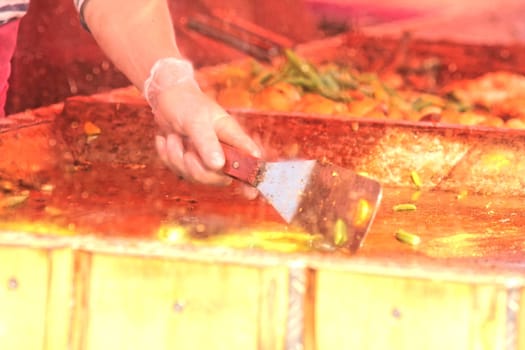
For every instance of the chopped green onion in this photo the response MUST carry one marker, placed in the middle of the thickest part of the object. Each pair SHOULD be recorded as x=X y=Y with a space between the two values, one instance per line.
x=419 y=104
x=415 y=196
x=405 y=207
x=407 y=237
x=416 y=179
x=340 y=233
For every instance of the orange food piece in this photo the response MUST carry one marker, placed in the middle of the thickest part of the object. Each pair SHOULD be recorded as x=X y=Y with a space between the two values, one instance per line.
x=489 y=89
x=317 y=104
x=279 y=97
x=234 y=97
x=362 y=107
x=510 y=108
x=515 y=123
x=493 y=121
x=90 y=129
x=396 y=113
x=465 y=118
x=392 y=80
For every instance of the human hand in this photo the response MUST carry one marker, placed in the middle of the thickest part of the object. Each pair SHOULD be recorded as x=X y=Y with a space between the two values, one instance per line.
x=191 y=125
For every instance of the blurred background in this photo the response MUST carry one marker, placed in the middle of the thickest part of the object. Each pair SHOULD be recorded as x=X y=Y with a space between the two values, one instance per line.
x=56 y=58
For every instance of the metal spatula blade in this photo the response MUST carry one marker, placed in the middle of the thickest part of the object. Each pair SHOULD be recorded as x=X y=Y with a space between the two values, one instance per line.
x=319 y=198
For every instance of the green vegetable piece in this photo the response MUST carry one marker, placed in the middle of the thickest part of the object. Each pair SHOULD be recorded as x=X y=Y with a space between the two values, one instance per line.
x=405 y=207
x=330 y=83
x=419 y=104
x=407 y=237
x=308 y=77
x=301 y=82
x=340 y=233
x=415 y=196
x=266 y=78
x=345 y=80
x=390 y=91
x=416 y=179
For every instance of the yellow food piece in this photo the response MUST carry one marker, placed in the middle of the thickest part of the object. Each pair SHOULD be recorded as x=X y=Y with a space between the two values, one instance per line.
x=380 y=94
x=515 y=123
x=53 y=211
x=493 y=121
x=462 y=194
x=48 y=188
x=466 y=118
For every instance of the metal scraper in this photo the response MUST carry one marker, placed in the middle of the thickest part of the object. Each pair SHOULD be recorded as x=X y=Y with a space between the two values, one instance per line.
x=318 y=197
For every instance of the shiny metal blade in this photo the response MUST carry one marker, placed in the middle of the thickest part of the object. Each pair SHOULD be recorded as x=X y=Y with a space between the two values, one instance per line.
x=283 y=184
x=323 y=199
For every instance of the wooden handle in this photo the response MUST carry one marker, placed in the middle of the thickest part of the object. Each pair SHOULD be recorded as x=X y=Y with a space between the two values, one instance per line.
x=242 y=166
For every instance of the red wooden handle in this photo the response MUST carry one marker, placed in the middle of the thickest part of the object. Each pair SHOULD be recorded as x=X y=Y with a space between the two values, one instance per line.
x=242 y=166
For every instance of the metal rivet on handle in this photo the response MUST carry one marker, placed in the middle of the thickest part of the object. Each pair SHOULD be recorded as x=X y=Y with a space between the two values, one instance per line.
x=235 y=165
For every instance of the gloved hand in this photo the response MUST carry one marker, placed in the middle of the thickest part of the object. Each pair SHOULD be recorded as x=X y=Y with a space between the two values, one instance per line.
x=191 y=125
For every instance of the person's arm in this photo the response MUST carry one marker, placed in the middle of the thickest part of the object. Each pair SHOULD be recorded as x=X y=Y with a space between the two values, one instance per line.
x=134 y=34
x=138 y=35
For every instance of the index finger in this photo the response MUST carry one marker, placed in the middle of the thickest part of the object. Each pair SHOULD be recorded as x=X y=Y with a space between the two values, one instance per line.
x=231 y=132
x=204 y=139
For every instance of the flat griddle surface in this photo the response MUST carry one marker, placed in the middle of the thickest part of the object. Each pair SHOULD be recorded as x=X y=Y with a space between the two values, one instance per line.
x=114 y=186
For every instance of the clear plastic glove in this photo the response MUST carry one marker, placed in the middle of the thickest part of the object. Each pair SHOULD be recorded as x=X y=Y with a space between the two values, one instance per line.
x=191 y=125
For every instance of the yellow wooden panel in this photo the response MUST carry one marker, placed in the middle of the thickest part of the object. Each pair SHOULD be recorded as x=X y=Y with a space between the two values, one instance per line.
x=521 y=321
x=24 y=275
x=273 y=308
x=355 y=311
x=139 y=303
x=59 y=301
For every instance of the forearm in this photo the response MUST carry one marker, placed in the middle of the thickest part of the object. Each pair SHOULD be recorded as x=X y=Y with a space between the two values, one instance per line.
x=134 y=34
